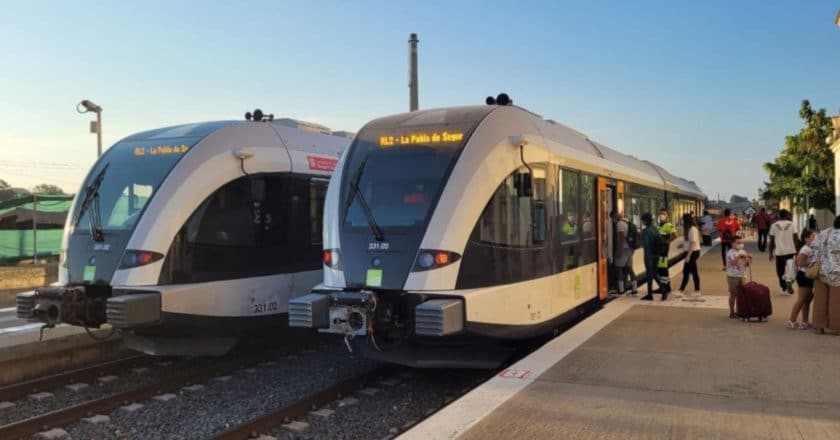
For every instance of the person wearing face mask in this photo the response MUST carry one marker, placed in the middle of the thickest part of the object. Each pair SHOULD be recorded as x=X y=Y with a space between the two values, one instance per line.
x=667 y=234
x=804 y=259
x=737 y=260
x=570 y=231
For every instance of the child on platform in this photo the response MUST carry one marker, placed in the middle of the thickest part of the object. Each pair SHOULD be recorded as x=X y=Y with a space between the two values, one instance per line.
x=737 y=260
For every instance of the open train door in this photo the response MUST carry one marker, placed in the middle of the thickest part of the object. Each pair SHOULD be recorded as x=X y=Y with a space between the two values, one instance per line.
x=605 y=198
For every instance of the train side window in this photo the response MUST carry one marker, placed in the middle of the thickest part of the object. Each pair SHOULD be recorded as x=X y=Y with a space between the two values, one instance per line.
x=317 y=195
x=589 y=206
x=568 y=203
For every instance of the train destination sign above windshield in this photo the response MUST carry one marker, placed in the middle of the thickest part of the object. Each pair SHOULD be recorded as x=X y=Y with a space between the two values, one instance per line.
x=442 y=137
x=160 y=149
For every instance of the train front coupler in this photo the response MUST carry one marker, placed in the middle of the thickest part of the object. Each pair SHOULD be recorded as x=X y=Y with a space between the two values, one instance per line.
x=81 y=305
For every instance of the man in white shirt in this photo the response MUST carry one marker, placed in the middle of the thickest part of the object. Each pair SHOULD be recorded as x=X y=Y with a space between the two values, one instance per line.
x=783 y=247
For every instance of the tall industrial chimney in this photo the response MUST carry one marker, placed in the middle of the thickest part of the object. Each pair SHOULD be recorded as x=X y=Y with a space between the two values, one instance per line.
x=412 y=72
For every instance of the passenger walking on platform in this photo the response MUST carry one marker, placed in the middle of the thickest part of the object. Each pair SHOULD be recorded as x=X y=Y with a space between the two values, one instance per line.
x=737 y=260
x=628 y=238
x=650 y=247
x=804 y=259
x=762 y=225
x=691 y=245
x=667 y=234
x=826 y=304
x=727 y=227
x=783 y=247
x=707 y=225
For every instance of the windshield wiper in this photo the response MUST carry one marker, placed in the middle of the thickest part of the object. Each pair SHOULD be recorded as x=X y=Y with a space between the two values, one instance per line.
x=354 y=192
x=91 y=199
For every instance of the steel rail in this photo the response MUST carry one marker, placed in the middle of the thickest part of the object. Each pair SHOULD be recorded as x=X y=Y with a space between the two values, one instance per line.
x=278 y=417
x=21 y=389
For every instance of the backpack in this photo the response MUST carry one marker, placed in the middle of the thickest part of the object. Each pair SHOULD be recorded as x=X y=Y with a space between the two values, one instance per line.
x=727 y=233
x=632 y=236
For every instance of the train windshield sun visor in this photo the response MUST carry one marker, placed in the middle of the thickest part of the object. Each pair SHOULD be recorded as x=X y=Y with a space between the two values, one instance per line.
x=90 y=204
x=356 y=194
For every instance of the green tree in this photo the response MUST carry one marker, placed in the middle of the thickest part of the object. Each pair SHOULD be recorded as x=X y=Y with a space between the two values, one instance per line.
x=6 y=191
x=738 y=199
x=804 y=170
x=47 y=188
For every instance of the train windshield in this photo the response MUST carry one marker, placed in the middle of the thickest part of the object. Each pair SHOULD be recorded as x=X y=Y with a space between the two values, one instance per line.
x=398 y=166
x=129 y=174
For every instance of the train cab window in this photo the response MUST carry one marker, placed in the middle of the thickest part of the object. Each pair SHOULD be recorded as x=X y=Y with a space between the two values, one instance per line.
x=507 y=218
x=128 y=205
x=241 y=230
x=317 y=195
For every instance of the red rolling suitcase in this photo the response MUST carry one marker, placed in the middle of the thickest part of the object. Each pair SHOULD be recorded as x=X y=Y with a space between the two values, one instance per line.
x=753 y=301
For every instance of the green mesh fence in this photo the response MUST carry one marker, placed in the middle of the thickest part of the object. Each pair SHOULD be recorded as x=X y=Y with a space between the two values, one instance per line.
x=17 y=239
x=18 y=243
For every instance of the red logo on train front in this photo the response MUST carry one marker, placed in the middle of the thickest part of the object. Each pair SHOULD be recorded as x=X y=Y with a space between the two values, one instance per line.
x=321 y=163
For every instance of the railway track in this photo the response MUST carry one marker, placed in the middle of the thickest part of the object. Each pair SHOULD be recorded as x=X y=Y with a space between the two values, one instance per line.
x=187 y=373
x=21 y=389
x=58 y=418
x=301 y=407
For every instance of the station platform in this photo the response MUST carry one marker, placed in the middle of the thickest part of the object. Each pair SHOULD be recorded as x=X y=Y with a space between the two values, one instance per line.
x=663 y=370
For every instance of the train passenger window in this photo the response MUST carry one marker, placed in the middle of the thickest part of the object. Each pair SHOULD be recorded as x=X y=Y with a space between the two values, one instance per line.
x=589 y=206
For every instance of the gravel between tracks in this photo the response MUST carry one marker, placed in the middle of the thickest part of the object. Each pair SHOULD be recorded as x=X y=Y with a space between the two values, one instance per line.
x=223 y=404
x=63 y=397
x=401 y=400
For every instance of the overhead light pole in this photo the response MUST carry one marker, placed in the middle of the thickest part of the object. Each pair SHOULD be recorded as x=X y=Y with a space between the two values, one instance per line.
x=95 y=126
x=413 y=101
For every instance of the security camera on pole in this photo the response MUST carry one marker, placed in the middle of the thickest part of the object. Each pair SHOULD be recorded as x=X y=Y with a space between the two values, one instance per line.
x=95 y=126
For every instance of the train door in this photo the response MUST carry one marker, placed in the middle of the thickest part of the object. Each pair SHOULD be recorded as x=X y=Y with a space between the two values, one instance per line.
x=606 y=204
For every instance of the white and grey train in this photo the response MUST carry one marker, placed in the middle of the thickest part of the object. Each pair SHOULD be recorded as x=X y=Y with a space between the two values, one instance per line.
x=449 y=233
x=184 y=237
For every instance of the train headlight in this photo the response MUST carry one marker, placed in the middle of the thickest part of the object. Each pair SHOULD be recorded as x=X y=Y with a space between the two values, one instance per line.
x=426 y=260
x=332 y=259
x=432 y=259
x=134 y=258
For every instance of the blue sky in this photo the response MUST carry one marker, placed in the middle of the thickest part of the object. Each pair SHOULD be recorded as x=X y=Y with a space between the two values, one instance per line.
x=707 y=89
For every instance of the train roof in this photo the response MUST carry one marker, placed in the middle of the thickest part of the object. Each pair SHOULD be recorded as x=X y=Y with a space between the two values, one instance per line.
x=202 y=129
x=556 y=131
x=550 y=129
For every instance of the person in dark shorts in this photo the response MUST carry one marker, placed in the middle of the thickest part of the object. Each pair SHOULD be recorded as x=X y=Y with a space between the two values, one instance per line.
x=804 y=259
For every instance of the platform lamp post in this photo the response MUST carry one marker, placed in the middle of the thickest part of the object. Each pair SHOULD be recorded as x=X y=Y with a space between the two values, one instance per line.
x=95 y=126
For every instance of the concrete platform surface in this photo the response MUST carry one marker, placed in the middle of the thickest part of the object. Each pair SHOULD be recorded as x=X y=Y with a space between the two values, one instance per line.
x=679 y=370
